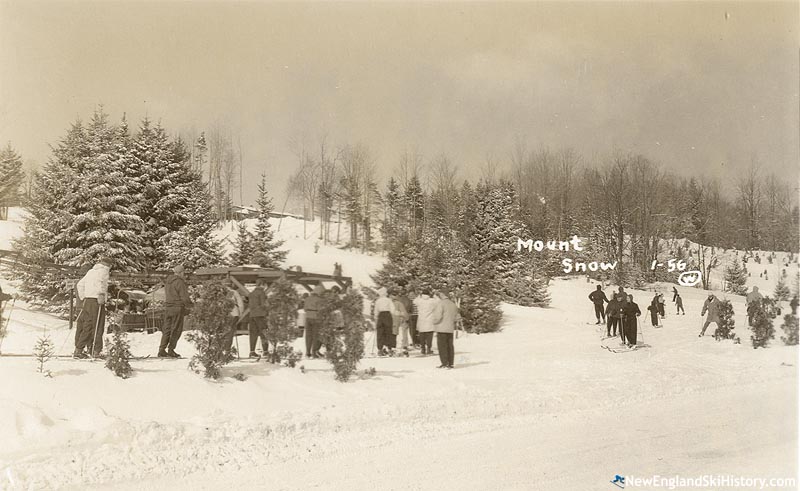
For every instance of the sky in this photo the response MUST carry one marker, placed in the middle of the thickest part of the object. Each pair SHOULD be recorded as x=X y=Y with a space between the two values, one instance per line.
x=701 y=88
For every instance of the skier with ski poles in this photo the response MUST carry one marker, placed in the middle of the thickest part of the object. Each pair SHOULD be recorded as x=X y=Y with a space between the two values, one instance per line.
x=92 y=290
x=631 y=314
x=711 y=305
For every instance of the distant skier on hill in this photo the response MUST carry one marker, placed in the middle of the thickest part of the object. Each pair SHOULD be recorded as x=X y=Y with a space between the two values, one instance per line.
x=679 y=305
x=598 y=298
x=711 y=305
x=653 y=309
x=675 y=294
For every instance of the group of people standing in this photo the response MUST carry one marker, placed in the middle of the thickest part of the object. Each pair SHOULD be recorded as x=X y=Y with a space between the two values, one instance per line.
x=415 y=318
x=619 y=315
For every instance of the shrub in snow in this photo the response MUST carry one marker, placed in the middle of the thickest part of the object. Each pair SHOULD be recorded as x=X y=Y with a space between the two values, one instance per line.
x=790 y=328
x=287 y=355
x=762 y=327
x=781 y=290
x=344 y=346
x=726 y=322
x=43 y=350
x=240 y=377
x=210 y=318
x=282 y=303
x=119 y=354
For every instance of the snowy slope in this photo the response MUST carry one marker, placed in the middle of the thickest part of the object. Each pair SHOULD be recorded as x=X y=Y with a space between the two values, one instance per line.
x=522 y=407
x=538 y=406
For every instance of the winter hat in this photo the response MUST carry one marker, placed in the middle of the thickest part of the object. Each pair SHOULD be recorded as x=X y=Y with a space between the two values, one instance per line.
x=382 y=291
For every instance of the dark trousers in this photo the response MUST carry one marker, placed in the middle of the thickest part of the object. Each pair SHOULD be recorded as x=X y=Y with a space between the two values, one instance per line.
x=426 y=340
x=384 y=330
x=233 y=325
x=447 y=354
x=412 y=329
x=661 y=310
x=257 y=327
x=312 y=327
x=680 y=308
x=612 y=323
x=172 y=328
x=630 y=331
x=599 y=312
x=91 y=326
x=653 y=316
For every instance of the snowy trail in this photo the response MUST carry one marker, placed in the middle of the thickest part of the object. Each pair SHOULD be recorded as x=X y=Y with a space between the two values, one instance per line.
x=522 y=408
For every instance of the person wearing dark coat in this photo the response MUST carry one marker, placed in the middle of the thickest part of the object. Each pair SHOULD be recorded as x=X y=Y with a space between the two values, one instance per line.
x=312 y=305
x=598 y=298
x=679 y=305
x=653 y=308
x=675 y=294
x=630 y=313
x=793 y=304
x=613 y=315
x=176 y=305
x=257 y=325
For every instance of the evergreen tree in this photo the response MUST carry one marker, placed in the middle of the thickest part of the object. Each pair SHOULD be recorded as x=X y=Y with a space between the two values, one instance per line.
x=266 y=252
x=119 y=354
x=43 y=351
x=243 y=247
x=781 y=290
x=11 y=176
x=414 y=204
x=726 y=321
x=735 y=278
x=391 y=200
x=282 y=304
x=345 y=348
x=103 y=222
x=762 y=327
x=210 y=318
x=790 y=328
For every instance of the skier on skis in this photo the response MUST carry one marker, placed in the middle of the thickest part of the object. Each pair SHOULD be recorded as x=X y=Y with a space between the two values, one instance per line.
x=675 y=294
x=711 y=305
x=406 y=329
x=631 y=313
x=598 y=298
x=92 y=290
x=177 y=304
x=679 y=304
x=613 y=315
x=653 y=308
x=399 y=321
x=753 y=300
x=661 y=305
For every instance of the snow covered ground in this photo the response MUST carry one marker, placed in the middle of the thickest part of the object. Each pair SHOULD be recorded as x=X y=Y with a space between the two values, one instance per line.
x=539 y=405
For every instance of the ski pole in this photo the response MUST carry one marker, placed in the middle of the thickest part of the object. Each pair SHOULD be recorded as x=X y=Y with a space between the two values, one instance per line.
x=97 y=323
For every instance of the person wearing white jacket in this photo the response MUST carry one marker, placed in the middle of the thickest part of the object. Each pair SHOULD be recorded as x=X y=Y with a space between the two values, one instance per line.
x=91 y=290
x=383 y=312
x=430 y=314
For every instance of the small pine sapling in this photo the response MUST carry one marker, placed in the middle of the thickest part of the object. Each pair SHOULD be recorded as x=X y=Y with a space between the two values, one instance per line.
x=119 y=354
x=782 y=290
x=43 y=350
x=762 y=327
x=726 y=322
x=344 y=345
x=211 y=338
x=790 y=329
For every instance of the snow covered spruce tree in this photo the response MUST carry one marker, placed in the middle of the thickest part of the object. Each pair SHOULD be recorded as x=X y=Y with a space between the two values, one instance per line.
x=243 y=247
x=210 y=319
x=782 y=290
x=762 y=328
x=789 y=327
x=735 y=278
x=282 y=303
x=727 y=323
x=11 y=176
x=496 y=229
x=266 y=252
x=344 y=346
x=119 y=354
